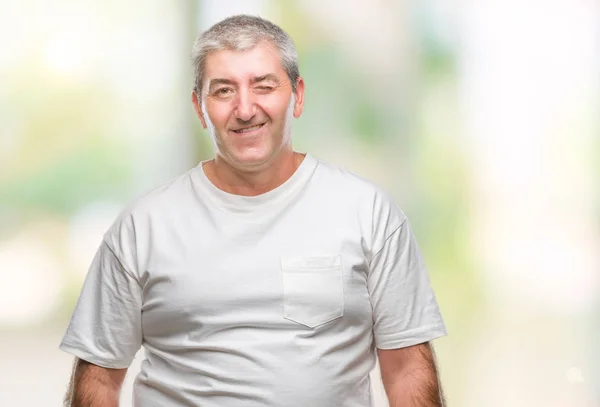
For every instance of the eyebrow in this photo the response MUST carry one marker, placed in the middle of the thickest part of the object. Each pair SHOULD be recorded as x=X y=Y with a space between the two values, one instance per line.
x=267 y=77
x=256 y=79
x=219 y=81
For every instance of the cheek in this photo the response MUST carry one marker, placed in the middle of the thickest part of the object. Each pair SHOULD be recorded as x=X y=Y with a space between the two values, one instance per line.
x=276 y=108
x=218 y=113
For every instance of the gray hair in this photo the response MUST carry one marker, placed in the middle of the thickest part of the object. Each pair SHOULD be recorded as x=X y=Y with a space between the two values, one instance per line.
x=242 y=33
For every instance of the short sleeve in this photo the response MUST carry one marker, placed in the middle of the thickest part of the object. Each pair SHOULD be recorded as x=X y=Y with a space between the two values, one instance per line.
x=405 y=311
x=105 y=327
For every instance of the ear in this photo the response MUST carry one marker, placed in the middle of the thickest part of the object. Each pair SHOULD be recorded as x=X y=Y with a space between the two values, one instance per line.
x=197 y=102
x=299 y=98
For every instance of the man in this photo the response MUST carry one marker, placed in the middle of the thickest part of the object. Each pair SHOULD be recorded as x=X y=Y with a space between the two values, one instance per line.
x=262 y=277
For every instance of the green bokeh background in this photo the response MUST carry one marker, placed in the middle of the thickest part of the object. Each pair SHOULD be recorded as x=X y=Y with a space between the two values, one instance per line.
x=75 y=138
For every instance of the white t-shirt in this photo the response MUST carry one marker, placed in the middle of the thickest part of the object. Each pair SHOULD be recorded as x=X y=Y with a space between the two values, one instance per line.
x=274 y=300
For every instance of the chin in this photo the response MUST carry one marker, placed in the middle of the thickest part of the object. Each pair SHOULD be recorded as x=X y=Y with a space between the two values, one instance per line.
x=252 y=158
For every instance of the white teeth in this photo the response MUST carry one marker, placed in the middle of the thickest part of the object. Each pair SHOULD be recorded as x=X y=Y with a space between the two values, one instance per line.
x=248 y=129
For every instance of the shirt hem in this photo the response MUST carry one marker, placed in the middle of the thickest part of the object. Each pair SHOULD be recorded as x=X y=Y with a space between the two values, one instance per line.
x=413 y=337
x=88 y=357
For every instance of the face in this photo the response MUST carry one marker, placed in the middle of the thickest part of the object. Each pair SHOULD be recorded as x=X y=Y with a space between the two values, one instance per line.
x=247 y=104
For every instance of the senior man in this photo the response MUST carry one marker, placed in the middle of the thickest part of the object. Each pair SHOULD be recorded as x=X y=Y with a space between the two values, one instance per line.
x=261 y=277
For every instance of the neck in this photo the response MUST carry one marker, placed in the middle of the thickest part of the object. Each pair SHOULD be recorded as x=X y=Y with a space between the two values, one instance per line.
x=256 y=181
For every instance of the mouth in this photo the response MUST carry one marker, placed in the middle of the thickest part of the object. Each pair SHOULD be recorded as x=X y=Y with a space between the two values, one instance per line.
x=249 y=129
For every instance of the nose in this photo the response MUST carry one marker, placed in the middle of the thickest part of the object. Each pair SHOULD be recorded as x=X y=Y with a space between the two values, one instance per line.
x=245 y=109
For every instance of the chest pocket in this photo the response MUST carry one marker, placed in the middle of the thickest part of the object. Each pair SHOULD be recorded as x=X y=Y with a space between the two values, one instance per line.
x=313 y=292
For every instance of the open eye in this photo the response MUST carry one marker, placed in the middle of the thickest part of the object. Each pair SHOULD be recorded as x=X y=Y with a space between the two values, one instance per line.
x=223 y=91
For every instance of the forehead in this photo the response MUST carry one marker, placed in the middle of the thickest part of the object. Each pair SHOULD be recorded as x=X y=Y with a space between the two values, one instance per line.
x=231 y=64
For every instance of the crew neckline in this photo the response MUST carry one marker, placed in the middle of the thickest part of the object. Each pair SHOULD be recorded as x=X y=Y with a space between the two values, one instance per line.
x=250 y=204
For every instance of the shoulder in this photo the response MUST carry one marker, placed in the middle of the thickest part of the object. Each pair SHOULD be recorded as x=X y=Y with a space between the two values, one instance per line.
x=137 y=214
x=370 y=196
x=164 y=194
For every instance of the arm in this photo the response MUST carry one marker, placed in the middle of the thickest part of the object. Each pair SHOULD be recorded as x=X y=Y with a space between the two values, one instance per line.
x=94 y=386
x=105 y=329
x=410 y=376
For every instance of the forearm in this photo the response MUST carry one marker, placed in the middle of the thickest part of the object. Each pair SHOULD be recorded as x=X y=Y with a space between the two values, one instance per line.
x=92 y=386
x=92 y=393
x=416 y=386
x=410 y=376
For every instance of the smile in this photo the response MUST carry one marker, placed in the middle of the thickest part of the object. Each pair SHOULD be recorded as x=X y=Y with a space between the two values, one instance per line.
x=248 y=129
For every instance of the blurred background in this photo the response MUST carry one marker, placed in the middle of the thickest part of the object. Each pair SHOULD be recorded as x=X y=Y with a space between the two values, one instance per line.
x=479 y=117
